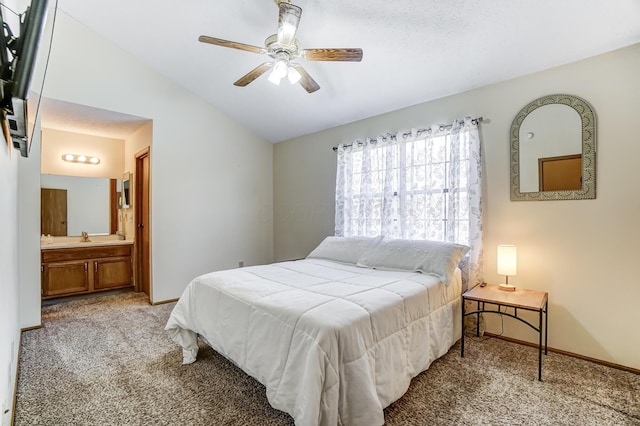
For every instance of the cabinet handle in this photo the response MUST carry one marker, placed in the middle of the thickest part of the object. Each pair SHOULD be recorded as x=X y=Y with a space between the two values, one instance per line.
x=96 y=266
x=85 y=266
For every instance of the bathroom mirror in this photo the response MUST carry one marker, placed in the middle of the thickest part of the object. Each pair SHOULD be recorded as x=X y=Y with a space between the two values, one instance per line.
x=82 y=203
x=553 y=150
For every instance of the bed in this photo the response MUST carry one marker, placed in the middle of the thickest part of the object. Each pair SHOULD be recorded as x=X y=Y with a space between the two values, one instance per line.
x=335 y=337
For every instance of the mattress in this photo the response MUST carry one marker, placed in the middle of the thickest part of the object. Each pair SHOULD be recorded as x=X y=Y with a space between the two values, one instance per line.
x=332 y=343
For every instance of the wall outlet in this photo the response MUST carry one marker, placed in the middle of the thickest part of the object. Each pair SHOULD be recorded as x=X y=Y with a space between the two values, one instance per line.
x=6 y=414
x=241 y=264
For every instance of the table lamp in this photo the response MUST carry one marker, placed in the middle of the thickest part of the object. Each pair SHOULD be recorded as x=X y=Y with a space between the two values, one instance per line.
x=507 y=264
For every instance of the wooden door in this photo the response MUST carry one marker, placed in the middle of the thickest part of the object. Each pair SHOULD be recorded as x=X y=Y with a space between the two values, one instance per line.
x=142 y=221
x=560 y=173
x=53 y=211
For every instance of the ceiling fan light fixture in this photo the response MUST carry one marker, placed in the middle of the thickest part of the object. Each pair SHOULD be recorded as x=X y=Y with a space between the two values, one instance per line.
x=283 y=47
x=279 y=71
x=293 y=75
x=275 y=79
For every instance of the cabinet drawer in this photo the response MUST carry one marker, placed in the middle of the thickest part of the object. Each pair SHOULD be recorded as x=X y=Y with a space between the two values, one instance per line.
x=79 y=253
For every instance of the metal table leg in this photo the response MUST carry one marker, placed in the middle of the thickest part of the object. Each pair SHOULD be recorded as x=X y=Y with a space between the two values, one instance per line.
x=462 y=338
x=546 y=323
x=540 y=346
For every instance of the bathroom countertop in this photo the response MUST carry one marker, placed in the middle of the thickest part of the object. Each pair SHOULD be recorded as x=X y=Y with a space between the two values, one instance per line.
x=78 y=243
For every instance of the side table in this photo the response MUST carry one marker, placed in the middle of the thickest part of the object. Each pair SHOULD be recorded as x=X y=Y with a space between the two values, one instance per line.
x=528 y=300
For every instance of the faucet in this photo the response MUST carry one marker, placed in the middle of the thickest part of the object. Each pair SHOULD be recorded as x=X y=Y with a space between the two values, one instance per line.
x=85 y=238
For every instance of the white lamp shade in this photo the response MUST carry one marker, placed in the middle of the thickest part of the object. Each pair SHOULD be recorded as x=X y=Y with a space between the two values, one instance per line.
x=293 y=75
x=507 y=260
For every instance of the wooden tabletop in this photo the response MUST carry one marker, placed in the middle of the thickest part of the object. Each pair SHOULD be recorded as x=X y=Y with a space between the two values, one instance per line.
x=520 y=298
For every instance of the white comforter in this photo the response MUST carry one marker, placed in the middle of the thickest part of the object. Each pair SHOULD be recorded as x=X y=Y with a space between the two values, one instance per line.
x=332 y=343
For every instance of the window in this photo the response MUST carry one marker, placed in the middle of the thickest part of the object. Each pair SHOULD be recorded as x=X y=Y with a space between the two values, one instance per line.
x=418 y=185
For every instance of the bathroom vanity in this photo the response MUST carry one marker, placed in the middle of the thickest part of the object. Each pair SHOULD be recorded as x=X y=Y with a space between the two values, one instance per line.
x=70 y=268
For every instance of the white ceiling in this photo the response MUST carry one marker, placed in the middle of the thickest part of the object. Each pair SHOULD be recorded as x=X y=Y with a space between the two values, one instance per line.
x=414 y=50
x=76 y=118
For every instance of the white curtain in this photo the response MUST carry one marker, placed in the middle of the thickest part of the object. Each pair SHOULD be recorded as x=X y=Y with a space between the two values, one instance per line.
x=423 y=184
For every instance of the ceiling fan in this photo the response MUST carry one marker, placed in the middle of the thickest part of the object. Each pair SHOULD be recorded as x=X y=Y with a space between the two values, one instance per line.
x=283 y=47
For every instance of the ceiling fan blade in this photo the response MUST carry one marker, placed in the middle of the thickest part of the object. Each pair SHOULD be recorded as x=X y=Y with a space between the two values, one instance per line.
x=232 y=44
x=350 y=55
x=306 y=80
x=253 y=74
x=288 y=22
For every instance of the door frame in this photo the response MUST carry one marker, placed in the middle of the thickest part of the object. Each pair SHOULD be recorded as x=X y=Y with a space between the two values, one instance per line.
x=139 y=182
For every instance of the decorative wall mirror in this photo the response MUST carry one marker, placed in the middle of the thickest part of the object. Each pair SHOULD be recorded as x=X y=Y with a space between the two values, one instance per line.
x=553 y=150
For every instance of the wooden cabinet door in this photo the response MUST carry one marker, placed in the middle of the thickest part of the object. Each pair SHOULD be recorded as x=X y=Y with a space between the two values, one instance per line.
x=64 y=278
x=112 y=272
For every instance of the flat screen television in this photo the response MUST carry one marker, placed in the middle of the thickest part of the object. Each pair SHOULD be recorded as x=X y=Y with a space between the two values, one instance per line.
x=20 y=61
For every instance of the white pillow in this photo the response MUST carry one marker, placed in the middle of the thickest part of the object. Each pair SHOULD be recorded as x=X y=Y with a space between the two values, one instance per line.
x=344 y=249
x=429 y=257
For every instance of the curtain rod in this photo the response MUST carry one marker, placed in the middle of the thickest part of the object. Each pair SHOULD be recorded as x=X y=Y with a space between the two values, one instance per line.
x=441 y=127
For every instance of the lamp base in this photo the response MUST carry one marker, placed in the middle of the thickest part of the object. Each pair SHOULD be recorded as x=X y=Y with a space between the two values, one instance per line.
x=507 y=287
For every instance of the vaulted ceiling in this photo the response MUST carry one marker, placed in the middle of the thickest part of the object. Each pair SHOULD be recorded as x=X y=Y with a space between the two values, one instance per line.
x=414 y=50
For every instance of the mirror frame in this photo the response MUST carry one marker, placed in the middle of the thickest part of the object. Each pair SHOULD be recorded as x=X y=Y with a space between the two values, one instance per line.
x=588 y=119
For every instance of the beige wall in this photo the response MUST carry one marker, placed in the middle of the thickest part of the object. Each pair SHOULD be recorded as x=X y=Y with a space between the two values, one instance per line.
x=211 y=178
x=135 y=143
x=10 y=291
x=582 y=252
x=9 y=277
x=211 y=189
x=56 y=143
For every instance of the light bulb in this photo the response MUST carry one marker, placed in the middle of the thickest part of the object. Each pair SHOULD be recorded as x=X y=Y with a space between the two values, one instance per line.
x=73 y=158
x=279 y=71
x=274 y=78
x=293 y=75
x=280 y=68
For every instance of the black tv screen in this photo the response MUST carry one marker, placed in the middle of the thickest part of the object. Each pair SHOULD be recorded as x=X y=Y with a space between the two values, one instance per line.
x=24 y=56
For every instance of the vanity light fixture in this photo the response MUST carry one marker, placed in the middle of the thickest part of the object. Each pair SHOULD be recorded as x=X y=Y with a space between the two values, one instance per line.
x=83 y=159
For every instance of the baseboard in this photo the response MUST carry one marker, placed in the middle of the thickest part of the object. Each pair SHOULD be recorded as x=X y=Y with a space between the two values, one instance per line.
x=567 y=353
x=15 y=384
x=164 y=302
x=35 y=327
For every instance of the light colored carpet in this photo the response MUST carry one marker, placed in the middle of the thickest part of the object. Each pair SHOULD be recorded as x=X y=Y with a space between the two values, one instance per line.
x=107 y=361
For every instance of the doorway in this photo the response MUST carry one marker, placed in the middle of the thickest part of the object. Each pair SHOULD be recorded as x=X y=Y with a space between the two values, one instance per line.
x=560 y=173
x=53 y=211
x=143 y=230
